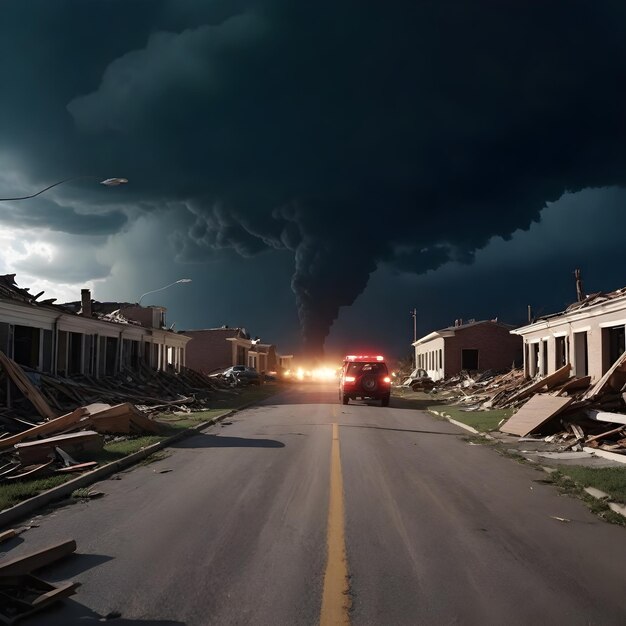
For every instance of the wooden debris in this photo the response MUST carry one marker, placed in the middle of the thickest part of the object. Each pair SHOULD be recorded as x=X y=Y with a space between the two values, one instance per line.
x=536 y=412
x=53 y=426
x=614 y=379
x=79 y=467
x=561 y=375
x=76 y=444
x=22 y=596
x=8 y=534
x=22 y=565
x=32 y=471
x=17 y=375
x=574 y=384
x=606 y=434
x=122 y=418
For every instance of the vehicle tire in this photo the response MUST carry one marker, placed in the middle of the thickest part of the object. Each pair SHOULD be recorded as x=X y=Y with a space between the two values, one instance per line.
x=344 y=399
x=384 y=401
x=369 y=384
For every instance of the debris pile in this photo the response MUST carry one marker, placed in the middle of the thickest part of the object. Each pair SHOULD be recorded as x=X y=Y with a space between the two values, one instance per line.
x=564 y=409
x=70 y=438
x=578 y=415
x=485 y=390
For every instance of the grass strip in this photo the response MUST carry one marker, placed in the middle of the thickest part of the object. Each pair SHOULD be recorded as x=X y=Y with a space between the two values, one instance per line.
x=12 y=493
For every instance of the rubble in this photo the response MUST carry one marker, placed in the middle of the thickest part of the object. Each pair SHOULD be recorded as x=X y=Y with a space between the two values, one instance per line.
x=23 y=594
x=562 y=409
x=80 y=412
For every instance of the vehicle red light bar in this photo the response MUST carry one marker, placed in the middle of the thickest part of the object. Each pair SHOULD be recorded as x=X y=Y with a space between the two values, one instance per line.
x=353 y=357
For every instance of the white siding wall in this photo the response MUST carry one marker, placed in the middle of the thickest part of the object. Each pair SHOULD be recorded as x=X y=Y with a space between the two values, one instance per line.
x=589 y=323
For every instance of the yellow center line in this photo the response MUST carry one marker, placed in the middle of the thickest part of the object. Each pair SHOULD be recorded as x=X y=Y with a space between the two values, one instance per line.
x=335 y=599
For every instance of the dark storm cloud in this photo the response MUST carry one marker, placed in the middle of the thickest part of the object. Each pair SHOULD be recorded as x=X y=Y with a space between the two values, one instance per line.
x=351 y=133
x=50 y=215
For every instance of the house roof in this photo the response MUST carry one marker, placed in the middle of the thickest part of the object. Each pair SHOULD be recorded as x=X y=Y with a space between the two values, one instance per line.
x=594 y=299
x=593 y=303
x=101 y=311
x=476 y=323
x=226 y=331
x=450 y=331
x=10 y=291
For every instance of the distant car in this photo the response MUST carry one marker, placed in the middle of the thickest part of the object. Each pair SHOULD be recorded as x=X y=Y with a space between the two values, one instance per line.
x=419 y=379
x=364 y=377
x=243 y=375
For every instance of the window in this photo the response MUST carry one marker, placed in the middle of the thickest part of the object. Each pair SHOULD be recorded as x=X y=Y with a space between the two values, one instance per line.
x=613 y=345
x=580 y=354
x=533 y=361
x=469 y=359
x=110 y=356
x=560 y=356
x=26 y=346
x=440 y=358
x=46 y=366
x=544 y=358
x=241 y=355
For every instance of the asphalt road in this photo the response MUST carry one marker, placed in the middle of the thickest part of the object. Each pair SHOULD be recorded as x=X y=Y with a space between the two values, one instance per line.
x=435 y=530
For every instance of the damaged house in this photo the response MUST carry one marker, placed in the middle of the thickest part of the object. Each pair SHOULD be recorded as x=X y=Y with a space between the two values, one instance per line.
x=589 y=335
x=214 y=349
x=84 y=337
x=471 y=346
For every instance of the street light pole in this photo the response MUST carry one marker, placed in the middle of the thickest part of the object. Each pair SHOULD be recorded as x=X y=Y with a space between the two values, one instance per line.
x=181 y=280
x=414 y=316
x=107 y=182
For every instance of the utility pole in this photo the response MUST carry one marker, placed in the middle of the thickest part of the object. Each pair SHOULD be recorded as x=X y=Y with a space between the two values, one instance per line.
x=580 y=294
x=414 y=316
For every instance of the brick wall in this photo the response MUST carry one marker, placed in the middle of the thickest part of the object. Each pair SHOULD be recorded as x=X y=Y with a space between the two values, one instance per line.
x=497 y=348
x=208 y=350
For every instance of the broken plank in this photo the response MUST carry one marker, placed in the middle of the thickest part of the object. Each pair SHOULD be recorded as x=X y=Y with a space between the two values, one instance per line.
x=28 y=563
x=52 y=426
x=575 y=384
x=534 y=413
x=613 y=431
x=605 y=383
x=80 y=467
x=84 y=443
x=32 y=471
x=22 y=382
x=561 y=375
x=17 y=606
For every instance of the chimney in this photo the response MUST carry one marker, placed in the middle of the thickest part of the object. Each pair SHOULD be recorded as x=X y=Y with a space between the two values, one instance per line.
x=85 y=300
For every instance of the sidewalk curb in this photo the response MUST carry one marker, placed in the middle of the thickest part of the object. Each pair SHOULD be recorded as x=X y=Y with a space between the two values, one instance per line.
x=616 y=508
x=459 y=424
x=23 y=509
x=605 y=454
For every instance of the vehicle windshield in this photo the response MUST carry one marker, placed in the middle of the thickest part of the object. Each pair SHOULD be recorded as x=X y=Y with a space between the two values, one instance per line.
x=366 y=368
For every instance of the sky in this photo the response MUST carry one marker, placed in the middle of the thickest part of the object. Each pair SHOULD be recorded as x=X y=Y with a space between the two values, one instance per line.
x=319 y=169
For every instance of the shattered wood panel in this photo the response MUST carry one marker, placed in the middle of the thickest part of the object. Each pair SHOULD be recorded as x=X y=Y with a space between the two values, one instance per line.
x=53 y=426
x=22 y=382
x=536 y=412
x=560 y=376
x=77 y=445
x=575 y=384
x=609 y=381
